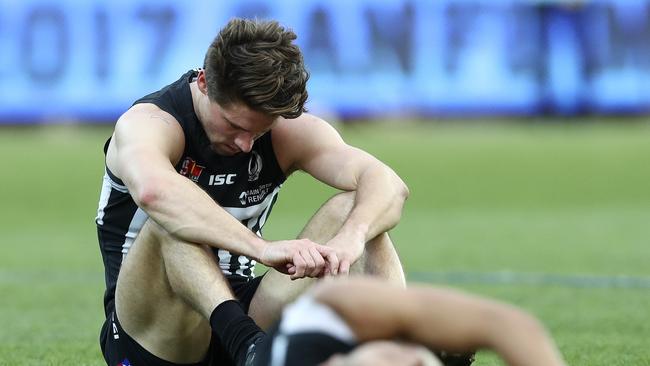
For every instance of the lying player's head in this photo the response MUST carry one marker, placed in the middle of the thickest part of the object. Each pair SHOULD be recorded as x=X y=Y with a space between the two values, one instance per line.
x=255 y=65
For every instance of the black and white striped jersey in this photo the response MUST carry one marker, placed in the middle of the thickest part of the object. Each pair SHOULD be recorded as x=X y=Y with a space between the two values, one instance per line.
x=246 y=185
x=307 y=334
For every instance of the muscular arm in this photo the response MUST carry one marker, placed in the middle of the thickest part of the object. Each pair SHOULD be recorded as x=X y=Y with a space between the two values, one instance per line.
x=312 y=145
x=146 y=144
x=440 y=319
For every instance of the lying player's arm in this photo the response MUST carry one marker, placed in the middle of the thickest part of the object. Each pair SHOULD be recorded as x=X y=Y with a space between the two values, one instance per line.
x=146 y=144
x=312 y=145
x=441 y=319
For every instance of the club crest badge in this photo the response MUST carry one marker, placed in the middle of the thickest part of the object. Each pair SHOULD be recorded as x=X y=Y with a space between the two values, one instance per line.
x=254 y=166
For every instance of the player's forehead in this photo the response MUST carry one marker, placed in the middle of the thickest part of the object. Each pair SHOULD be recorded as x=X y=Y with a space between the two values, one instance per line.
x=242 y=116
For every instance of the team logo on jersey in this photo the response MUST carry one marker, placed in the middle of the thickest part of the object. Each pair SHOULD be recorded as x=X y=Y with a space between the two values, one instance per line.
x=191 y=169
x=124 y=363
x=254 y=166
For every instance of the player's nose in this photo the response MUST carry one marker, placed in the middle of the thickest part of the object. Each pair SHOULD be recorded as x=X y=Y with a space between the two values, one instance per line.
x=244 y=142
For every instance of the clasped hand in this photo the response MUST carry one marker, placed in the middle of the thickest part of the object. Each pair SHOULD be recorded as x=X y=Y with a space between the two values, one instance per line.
x=304 y=258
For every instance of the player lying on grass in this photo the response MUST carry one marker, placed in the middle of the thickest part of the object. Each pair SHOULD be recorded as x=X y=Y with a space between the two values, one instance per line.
x=365 y=322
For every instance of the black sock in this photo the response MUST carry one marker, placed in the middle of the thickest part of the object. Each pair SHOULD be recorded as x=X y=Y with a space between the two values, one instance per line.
x=236 y=330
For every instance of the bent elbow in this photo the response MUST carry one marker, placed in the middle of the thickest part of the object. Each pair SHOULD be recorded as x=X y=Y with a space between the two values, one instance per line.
x=404 y=190
x=147 y=197
x=401 y=189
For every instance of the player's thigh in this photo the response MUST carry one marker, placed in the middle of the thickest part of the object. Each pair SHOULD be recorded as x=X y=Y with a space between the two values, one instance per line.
x=142 y=284
x=142 y=263
x=149 y=311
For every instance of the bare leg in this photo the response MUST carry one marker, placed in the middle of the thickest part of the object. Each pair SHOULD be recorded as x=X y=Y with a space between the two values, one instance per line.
x=163 y=302
x=379 y=259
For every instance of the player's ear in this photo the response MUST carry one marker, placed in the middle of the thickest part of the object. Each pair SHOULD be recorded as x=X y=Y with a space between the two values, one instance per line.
x=201 y=82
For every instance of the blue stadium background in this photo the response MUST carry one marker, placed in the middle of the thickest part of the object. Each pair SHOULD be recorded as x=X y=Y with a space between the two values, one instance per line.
x=79 y=60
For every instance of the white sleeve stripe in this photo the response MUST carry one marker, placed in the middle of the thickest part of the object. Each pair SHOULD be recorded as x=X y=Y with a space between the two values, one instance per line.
x=265 y=214
x=120 y=187
x=103 y=199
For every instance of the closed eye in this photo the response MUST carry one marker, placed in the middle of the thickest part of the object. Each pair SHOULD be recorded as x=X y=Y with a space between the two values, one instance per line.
x=234 y=126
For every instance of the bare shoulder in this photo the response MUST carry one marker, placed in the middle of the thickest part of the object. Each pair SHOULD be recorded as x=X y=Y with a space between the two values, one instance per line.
x=144 y=113
x=306 y=130
x=305 y=124
x=145 y=127
x=299 y=137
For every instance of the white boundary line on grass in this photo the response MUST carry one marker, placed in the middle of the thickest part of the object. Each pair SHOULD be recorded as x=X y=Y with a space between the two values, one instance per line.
x=534 y=279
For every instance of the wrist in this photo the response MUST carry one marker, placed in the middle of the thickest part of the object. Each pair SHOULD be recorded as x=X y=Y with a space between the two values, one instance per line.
x=357 y=233
x=258 y=247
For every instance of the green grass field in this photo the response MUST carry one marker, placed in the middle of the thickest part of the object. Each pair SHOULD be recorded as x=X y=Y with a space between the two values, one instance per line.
x=568 y=205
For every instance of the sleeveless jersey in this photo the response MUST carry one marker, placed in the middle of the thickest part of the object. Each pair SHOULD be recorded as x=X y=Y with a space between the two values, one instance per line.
x=246 y=185
x=307 y=334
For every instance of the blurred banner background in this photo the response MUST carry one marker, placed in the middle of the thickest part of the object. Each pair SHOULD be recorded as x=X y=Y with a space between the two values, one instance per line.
x=88 y=60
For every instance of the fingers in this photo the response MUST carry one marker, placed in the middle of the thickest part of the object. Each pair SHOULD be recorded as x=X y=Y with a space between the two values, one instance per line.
x=319 y=263
x=332 y=260
x=304 y=258
x=344 y=267
x=314 y=260
x=299 y=265
x=308 y=263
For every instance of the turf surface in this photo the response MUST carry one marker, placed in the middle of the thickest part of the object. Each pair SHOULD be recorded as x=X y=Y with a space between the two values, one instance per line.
x=487 y=198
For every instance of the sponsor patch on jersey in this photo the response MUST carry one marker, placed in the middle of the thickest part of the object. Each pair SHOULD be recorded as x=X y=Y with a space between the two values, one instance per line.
x=256 y=195
x=191 y=169
x=222 y=179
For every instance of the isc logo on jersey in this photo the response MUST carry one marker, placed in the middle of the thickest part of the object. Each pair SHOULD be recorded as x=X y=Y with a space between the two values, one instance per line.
x=221 y=179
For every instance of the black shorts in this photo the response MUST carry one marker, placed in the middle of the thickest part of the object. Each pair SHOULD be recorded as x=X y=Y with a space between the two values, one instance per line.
x=244 y=288
x=119 y=349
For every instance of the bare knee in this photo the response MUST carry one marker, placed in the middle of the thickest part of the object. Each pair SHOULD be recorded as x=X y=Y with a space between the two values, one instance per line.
x=380 y=259
x=168 y=245
x=143 y=256
x=329 y=218
x=159 y=235
x=337 y=209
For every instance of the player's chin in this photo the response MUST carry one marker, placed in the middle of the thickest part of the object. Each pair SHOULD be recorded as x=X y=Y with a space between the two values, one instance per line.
x=225 y=150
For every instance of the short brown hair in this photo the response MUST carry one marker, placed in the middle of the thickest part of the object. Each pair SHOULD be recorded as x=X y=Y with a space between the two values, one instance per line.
x=255 y=62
